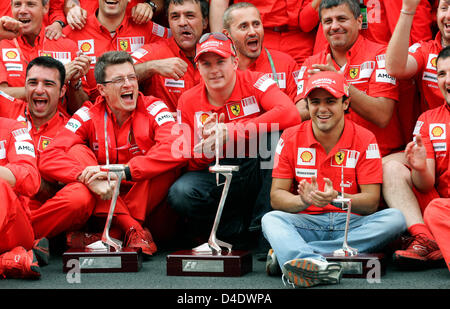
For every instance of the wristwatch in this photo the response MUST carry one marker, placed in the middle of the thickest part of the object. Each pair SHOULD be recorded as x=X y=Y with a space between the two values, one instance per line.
x=152 y=4
x=76 y=85
x=61 y=23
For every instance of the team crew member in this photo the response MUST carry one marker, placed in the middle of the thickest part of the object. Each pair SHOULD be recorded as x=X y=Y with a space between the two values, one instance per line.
x=139 y=135
x=419 y=60
x=166 y=68
x=247 y=102
x=140 y=11
x=18 y=52
x=373 y=91
x=109 y=30
x=420 y=189
x=306 y=178
x=289 y=26
x=242 y=23
x=53 y=209
x=19 y=180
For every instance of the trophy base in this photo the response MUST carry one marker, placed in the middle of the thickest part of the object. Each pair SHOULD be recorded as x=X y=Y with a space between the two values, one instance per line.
x=93 y=261
x=192 y=263
x=361 y=265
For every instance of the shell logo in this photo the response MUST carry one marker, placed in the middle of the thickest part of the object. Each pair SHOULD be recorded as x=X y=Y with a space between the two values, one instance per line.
x=86 y=47
x=306 y=156
x=203 y=117
x=11 y=54
x=437 y=131
x=433 y=62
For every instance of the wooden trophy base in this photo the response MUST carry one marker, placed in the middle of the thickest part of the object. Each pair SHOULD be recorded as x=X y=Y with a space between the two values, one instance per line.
x=359 y=266
x=92 y=261
x=192 y=263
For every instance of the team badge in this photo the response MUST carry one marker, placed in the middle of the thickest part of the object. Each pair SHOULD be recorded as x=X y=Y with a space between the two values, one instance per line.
x=236 y=109
x=339 y=157
x=124 y=45
x=354 y=72
x=44 y=142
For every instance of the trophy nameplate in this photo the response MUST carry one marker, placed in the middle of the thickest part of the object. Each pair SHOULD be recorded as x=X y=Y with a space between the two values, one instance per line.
x=107 y=254
x=209 y=259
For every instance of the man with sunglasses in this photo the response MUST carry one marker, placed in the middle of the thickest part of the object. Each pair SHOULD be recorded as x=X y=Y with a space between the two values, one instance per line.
x=250 y=108
x=122 y=127
x=166 y=68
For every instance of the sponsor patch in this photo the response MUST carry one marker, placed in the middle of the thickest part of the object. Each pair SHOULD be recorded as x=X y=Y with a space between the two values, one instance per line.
x=263 y=83
x=83 y=113
x=431 y=63
x=373 y=152
x=281 y=78
x=305 y=172
x=417 y=127
x=164 y=117
x=63 y=57
x=431 y=77
x=280 y=146
x=383 y=77
x=138 y=54
x=440 y=147
x=201 y=117
x=306 y=156
x=156 y=107
x=245 y=107
x=437 y=131
x=345 y=158
x=413 y=48
x=44 y=141
x=87 y=46
x=73 y=125
x=7 y=96
x=14 y=66
x=381 y=61
x=169 y=82
x=158 y=30
x=25 y=148
x=2 y=149
x=298 y=75
x=21 y=135
x=130 y=44
x=11 y=54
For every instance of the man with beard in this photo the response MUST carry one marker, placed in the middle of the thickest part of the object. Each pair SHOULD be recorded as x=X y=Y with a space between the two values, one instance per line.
x=242 y=23
x=166 y=69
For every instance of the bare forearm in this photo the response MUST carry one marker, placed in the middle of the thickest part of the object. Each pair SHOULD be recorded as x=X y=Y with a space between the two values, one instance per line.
x=7 y=175
x=286 y=201
x=216 y=10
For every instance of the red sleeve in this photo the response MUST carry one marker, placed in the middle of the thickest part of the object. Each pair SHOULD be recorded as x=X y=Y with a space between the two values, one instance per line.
x=308 y=18
x=21 y=157
x=55 y=163
x=283 y=167
x=56 y=11
x=369 y=168
x=381 y=84
x=163 y=155
x=422 y=128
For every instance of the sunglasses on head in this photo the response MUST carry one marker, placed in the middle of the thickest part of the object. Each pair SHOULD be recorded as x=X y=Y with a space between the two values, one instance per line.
x=217 y=35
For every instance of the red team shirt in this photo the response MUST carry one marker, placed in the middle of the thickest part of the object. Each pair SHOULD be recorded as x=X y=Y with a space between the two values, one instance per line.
x=285 y=68
x=299 y=156
x=94 y=40
x=434 y=127
x=365 y=69
x=17 y=53
x=255 y=100
x=167 y=89
x=426 y=54
x=17 y=109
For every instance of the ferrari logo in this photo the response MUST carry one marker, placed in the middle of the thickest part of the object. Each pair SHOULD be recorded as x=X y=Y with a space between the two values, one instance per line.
x=354 y=72
x=236 y=109
x=123 y=45
x=339 y=157
x=45 y=143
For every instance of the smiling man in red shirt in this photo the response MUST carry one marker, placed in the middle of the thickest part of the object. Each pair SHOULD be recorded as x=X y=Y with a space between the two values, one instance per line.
x=166 y=69
x=252 y=107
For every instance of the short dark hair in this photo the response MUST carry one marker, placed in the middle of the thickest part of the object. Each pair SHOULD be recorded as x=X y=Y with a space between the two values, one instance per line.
x=352 y=5
x=233 y=7
x=44 y=2
x=443 y=54
x=204 y=6
x=51 y=63
x=107 y=59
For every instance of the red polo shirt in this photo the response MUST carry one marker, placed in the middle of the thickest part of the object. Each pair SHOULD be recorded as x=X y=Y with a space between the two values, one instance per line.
x=365 y=69
x=167 y=89
x=17 y=53
x=284 y=66
x=94 y=40
x=55 y=12
x=17 y=109
x=300 y=156
x=426 y=54
x=434 y=127
x=255 y=101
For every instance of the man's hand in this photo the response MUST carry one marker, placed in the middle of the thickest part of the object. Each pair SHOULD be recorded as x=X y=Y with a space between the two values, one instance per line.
x=9 y=28
x=54 y=31
x=142 y=13
x=171 y=67
x=311 y=195
x=208 y=133
x=78 y=67
x=329 y=66
x=416 y=154
x=76 y=17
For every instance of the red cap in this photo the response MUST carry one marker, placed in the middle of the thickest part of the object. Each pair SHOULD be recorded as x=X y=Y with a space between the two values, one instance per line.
x=333 y=82
x=222 y=48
